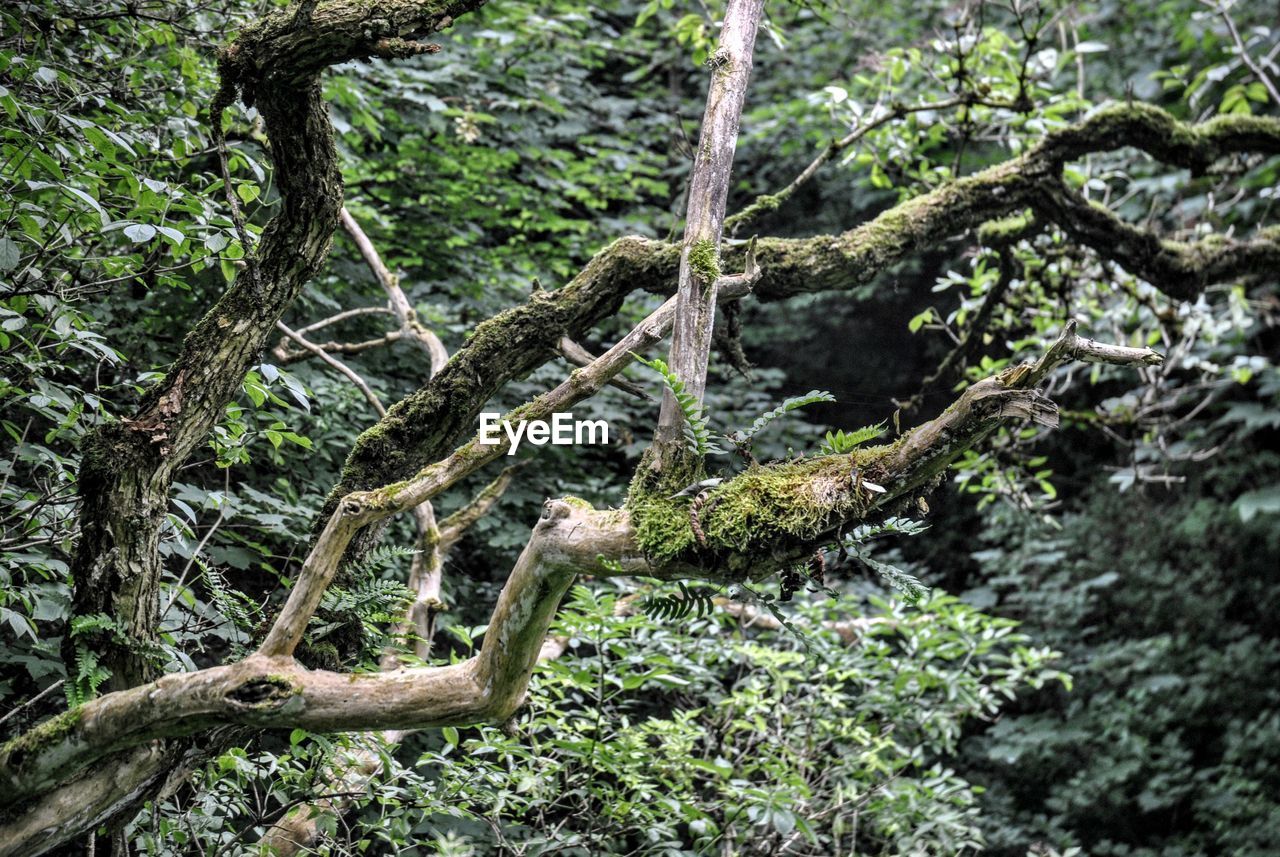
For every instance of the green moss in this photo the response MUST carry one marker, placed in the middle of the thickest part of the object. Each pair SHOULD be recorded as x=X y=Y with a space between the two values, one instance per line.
x=763 y=204
x=761 y=510
x=42 y=737
x=768 y=506
x=704 y=261
x=663 y=529
x=1006 y=230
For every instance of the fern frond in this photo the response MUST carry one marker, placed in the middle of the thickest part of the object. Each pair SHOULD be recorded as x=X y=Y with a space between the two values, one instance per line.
x=90 y=675
x=908 y=585
x=95 y=622
x=841 y=442
x=232 y=603
x=368 y=599
x=679 y=606
x=794 y=403
x=889 y=526
x=697 y=430
x=376 y=559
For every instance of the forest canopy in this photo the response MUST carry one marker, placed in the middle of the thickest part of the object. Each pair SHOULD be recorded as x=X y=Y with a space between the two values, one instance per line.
x=438 y=427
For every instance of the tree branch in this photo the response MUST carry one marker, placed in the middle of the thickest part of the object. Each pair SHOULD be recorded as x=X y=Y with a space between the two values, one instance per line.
x=754 y=523
x=771 y=202
x=708 y=190
x=345 y=370
x=410 y=326
x=424 y=426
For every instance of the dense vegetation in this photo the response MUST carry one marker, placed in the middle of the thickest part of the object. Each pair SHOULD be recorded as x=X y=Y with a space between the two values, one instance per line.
x=1067 y=648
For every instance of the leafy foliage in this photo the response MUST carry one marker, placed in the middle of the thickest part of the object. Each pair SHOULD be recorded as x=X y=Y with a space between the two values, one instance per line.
x=745 y=436
x=676 y=739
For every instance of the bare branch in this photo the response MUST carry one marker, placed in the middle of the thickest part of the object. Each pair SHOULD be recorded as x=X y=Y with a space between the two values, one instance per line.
x=410 y=326
x=284 y=355
x=456 y=525
x=1242 y=49
x=350 y=374
x=355 y=312
x=579 y=356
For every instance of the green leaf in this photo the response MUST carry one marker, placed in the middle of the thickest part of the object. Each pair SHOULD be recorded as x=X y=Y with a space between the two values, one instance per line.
x=919 y=320
x=174 y=236
x=1264 y=501
x=9 y=254
x=842 y=442
x=140 y=233
x=697 y=430
x=794 y=403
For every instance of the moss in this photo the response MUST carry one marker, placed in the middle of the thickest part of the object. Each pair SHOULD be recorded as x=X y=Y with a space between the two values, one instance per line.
x=319 y=656
x=763 y=204
x=663 y=529
x=704 y=261
x=766 y=508
x=1006 y=230
x=47 y=734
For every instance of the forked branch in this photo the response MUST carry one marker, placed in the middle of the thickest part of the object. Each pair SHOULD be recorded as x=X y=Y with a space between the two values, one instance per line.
x=774 y=512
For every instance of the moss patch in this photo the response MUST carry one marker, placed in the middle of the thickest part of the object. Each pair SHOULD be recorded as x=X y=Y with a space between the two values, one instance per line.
x=1006 y=230
x=47 y=734
x=704 y=261
x=762 y=205
x=764 y=509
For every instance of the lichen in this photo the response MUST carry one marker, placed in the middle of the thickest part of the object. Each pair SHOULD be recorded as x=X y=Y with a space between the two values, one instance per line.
x=704 y=261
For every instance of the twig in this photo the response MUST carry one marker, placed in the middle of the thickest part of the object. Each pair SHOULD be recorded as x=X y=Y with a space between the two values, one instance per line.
x=336 y=364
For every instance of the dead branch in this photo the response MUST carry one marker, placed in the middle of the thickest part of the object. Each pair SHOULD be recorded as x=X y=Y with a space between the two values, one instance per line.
x=699 y=277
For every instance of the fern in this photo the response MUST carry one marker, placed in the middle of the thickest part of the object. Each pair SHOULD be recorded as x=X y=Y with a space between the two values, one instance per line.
x=377 y=558
x=889 y=526
x=908 y=585
x=842 y=442
x=231 y=603
x=89 y=673
x=747 y=595
x=679 y=606
x=372 y=603
x=744 y=437
x=697 y=431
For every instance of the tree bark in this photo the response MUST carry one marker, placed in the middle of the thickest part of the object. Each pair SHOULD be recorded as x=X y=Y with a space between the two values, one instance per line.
x=704 y=222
